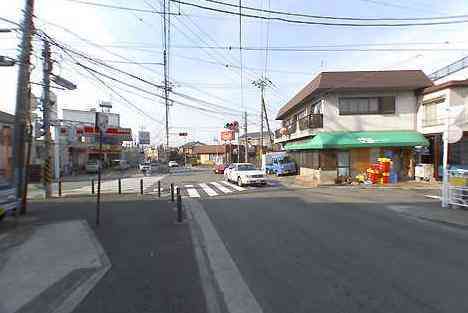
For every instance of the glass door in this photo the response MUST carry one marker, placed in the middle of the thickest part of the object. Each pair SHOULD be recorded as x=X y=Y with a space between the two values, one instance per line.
x=342 y=163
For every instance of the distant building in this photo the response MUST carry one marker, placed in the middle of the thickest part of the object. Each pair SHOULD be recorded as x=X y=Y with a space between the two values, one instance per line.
x=78 y=141
x=6 y=144
x=187 y=148
x=254 y=138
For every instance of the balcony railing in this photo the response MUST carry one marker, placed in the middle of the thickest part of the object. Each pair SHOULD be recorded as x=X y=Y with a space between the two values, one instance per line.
x=278 y=133
x=292 y=128
x=432 y=122
x=311 y=121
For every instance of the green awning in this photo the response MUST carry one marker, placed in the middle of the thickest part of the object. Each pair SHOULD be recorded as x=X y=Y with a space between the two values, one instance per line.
x=361 y=139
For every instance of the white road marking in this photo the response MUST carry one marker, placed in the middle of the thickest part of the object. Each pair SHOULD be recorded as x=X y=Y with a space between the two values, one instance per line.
x=433 y=197
x=189 y=186
x=208 y=190
x=238 y=188
x=221 y=187
x=193 y=193
x=236 y=293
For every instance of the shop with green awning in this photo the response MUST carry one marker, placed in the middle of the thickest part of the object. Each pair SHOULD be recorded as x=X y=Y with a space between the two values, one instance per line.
x=361 y=139
x=348 y=154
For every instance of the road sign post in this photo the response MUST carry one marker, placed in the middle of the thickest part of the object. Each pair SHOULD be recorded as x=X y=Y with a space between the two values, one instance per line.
x=101 y=124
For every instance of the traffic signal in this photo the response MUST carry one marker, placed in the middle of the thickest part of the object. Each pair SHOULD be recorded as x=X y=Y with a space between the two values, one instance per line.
x=234 y=126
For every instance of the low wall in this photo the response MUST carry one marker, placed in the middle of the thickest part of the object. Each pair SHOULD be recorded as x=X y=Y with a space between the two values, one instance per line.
x=316 y=177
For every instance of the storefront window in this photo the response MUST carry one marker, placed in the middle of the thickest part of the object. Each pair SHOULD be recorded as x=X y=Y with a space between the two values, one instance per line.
x=459 y=152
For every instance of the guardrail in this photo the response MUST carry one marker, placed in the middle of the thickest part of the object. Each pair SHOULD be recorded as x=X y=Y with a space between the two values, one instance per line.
x=458 y=187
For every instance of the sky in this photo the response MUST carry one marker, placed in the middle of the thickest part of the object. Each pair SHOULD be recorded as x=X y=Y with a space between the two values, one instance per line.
x=202 y=67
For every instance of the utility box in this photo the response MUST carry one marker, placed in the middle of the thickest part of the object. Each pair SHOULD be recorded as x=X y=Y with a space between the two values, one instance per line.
x=424 y=172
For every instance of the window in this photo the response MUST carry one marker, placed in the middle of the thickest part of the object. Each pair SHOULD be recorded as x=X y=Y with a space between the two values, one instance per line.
x=367 y=105
x=301 y=114
x=316 y=107
x=306 y=158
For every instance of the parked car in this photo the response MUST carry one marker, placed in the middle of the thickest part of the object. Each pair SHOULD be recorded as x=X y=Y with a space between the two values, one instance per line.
x=279 y=163
x=92 y=166
x=145 y=167
x=8 y=200
x=219 y=168
x=121 y=164
x=244 y=174
x=173 y=164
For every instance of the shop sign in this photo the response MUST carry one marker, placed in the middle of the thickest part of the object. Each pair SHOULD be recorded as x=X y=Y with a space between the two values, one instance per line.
x=227 y=135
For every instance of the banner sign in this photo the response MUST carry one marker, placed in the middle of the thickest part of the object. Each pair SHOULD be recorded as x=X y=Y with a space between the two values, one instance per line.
x=144 y=137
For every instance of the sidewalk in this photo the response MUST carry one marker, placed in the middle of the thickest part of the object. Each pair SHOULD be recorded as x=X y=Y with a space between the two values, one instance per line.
x=152 y=258
x=434 y=212
x=290 y=181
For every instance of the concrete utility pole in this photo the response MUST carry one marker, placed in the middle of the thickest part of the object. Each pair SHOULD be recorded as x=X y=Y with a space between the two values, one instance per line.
x=262 y=83
x=267 y=121
x=246 y=139
x=166 y=87
x=46 y=106
x=22 y=100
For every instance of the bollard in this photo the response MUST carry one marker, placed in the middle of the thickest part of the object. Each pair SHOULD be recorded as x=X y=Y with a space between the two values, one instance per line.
x=172 y=192
x=159 y=188
x=120 y=187
x=92 y=186
x=180 y=217
x=141 y=186
x=60 y=187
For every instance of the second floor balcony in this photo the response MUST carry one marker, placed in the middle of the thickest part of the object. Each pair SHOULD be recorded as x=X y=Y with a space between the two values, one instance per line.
x=301 y=128
x=311 y=121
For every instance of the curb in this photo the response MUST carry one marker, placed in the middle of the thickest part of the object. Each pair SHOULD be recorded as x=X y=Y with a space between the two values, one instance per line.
x=78 y=295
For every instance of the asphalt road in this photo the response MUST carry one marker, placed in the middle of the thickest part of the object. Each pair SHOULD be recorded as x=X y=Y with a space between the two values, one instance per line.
x=342 y=250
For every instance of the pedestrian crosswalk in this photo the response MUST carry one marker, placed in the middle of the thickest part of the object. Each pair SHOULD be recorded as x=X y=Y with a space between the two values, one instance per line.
x=211 y=189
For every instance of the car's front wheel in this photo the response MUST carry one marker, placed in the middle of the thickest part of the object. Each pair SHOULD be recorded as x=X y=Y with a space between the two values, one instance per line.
x=239 y=182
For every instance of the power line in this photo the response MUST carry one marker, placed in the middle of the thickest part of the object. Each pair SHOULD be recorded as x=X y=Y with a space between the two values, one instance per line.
x=117 y=7
x=280 y=19
x=186 y=36
x=338 y=17
x=118 y=94
x=68 y=50
x=136 y=63
x=10 y=22
x=148 y=92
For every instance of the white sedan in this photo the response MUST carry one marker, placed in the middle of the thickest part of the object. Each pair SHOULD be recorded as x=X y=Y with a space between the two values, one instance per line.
x=244 y=174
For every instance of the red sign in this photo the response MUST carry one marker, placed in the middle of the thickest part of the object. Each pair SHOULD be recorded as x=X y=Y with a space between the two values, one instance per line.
x=227 y=135
x=125 y=133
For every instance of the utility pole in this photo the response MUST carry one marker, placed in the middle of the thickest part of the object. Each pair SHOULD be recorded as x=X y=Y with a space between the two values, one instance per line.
x=267 y=122
x=246 y=139
x=46 y=106
x=262 y=83
x=22 y=100
x=261 y=125
x=166 y=90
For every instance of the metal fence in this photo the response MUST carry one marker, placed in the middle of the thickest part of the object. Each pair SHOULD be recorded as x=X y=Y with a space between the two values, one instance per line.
x=458 y=188
x=450 y=69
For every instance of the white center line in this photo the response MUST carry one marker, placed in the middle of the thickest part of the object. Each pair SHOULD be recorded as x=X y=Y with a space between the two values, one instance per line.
x=208 y=190
x=193 y=193
x=221 y=187
x=233 y=186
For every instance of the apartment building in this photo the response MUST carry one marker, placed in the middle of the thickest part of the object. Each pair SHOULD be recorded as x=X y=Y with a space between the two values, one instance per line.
x=341 y=122
x=438 y=105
